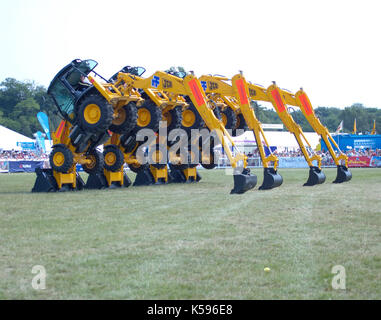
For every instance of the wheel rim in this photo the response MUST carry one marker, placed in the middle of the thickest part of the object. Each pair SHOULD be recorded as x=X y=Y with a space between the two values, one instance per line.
x=92 y=113
x=144 y=117
x=224 y=119
x=120 y=118
x=110 y=158
x=189 y=118
x=238 y=122
x=58 y=159
x=167 y=117
x=93 y=162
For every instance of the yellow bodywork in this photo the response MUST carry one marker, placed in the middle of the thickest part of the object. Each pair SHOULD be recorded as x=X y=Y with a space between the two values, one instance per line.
x=167 y=91
x=235 y=96
x=61 y=136
x=279 y=99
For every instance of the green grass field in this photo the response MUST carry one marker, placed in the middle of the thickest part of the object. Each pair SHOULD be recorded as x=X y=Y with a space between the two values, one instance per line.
x=193 y=241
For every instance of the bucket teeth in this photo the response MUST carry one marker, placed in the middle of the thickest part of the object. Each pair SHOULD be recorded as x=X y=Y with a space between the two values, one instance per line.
x=316 y=176
x=343 y=174
x=271 y=179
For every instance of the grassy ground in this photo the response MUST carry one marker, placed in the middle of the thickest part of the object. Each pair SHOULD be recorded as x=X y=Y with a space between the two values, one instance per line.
x=193 y=241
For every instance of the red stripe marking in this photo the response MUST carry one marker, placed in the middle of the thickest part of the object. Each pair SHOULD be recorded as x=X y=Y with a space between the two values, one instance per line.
x=306 y=105
x=278 y=100
x=60 y=129
x=196 y=92
x=242 y=91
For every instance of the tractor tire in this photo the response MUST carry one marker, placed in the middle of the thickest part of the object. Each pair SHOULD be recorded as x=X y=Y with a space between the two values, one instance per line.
x=191 y=119
x=173 y=118
x=149 y=117
x=97 y=162
x=217 y=113
x=61 y=158
x=241 y=126
x=113 y=158
x=95 y=114
x=193 y=160
x=184 y=160
x=211 y=164
x=126 y=120
x=136 y=169
x=156 y=155
x=229 y=118
x=128 y=142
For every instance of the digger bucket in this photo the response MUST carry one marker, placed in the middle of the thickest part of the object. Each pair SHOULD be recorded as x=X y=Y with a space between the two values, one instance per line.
x=316 y=176
x=271 y=179
x=343 y=174
x=244 y=181
x=45 y=182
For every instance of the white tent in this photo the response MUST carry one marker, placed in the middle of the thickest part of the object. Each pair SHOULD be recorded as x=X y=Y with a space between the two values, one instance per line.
x=280 y=139
x=9 y=139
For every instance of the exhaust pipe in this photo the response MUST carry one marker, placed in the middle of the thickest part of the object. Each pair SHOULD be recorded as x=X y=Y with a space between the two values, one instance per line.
x=343 y=174
x=271 y=179
x=316 y=176
x=243 y=181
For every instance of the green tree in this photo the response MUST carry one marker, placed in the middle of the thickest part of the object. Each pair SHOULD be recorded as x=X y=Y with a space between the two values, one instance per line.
x=25 y=113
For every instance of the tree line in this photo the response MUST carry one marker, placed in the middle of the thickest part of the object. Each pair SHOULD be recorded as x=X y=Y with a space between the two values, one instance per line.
x=330 y=117
x=20 y=101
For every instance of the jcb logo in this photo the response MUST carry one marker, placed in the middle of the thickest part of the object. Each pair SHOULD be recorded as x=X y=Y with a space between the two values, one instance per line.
x=252 y=92
x=167 y=84
x=213 y=86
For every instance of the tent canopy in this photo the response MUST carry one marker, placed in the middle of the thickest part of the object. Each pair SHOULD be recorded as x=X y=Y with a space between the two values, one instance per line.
x=279 y=139
x=9 y=139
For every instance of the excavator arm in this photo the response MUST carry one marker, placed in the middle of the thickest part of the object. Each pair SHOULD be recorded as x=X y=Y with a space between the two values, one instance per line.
x=190 y=86
x=273 y=95
x=301 y=100
x=236 y=97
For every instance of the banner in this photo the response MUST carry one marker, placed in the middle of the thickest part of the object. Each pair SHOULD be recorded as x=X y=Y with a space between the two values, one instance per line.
x=4 y=166
x=375 y=162
x=26 y=146
x=25 y=166
x=292 y=162
x=360 y=162
x=40 y=142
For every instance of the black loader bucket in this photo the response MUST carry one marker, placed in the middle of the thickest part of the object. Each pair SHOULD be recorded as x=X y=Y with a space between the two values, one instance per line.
x=144 y=177
x=271 y=179
x=244 y=181
x=96 y=181
x=45 y=182
x=316 y=176
x=343 y=174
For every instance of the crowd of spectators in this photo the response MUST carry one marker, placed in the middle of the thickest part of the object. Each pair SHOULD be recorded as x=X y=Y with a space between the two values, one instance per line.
x=298 y=153
x=6 y=155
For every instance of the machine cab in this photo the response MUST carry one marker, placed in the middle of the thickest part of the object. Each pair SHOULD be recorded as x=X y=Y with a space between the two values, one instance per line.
x=68 y=86
x=137 y=71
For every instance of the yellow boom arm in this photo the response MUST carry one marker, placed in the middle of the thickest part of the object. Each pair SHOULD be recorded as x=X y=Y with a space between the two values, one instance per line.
x=273 y=94
x=301 y=100
x=236 y=97
x=189 y=86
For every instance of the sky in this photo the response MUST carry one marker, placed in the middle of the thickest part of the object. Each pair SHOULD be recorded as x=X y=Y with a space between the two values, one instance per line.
x=330 y=48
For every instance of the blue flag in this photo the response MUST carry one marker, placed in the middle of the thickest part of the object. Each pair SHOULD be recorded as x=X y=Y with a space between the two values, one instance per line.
x=44 y=121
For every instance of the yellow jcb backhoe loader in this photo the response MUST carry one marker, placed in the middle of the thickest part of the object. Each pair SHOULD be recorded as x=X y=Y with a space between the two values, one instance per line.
x=190 y=88
x=89 y=110
x=233 y=99
x=301 y=100
x=272 y=94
